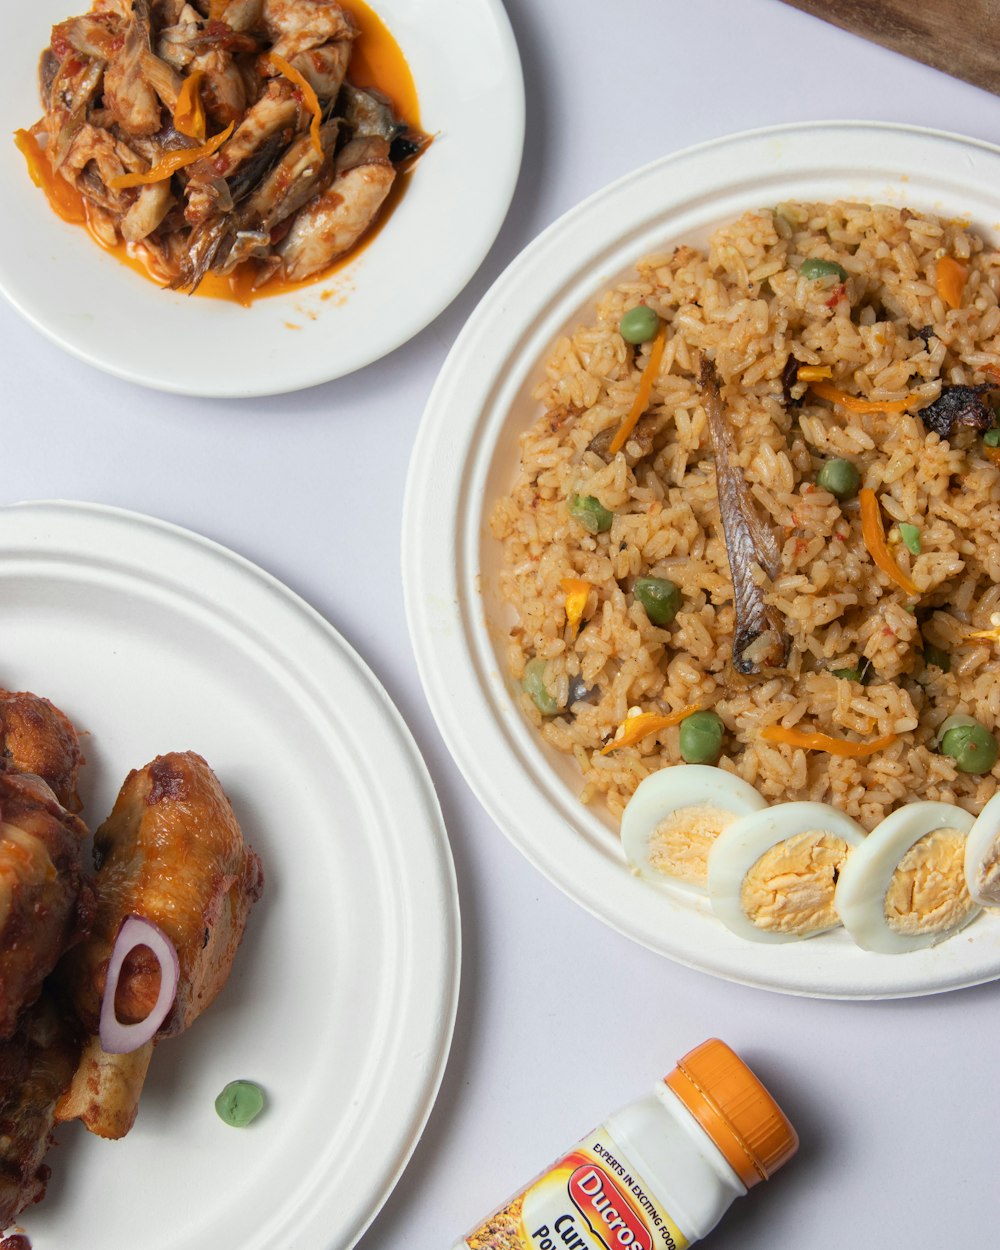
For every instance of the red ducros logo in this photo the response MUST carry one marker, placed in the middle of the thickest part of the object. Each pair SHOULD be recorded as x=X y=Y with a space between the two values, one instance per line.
x=608 y=1210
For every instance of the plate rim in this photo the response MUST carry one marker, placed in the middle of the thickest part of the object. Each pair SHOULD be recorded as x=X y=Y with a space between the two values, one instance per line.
x=489 y=221
x=61 y=528
x=441 y=579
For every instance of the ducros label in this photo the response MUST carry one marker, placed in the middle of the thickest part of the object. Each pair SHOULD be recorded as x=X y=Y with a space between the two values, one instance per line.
x=590 y=1200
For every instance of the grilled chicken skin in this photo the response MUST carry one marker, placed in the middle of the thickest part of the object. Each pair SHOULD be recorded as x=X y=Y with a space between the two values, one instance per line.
x=36 y=1065
x=45 y=903
x=171 y=852
x=37 y=738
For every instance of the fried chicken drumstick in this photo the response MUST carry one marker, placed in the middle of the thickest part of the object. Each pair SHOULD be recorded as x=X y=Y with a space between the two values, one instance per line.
x=172 y=853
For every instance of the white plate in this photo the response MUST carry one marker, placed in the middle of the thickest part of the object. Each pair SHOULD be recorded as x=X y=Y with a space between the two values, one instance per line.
x=466 y=455
x=468 y=77
x=343 y=994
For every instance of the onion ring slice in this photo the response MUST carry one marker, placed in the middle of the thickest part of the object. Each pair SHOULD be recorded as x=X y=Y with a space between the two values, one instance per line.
x=121 y=1039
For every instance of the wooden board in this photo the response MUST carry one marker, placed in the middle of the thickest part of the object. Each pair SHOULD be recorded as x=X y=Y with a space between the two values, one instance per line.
x=961 y=37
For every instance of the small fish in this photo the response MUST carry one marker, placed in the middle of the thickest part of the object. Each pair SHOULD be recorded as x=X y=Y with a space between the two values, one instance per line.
x=147 y=211
x=332 y=222
x=759 y=639
x=325 y=68
x=127 y=91
x=295 y=26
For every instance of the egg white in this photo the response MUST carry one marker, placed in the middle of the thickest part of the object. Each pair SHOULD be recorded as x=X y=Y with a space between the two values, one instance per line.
x=669 y=790
x=982 y=856
x=740 y=846
x=865 y=879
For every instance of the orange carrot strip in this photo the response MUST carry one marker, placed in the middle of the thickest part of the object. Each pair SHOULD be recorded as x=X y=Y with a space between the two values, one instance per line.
x=309 y=97
x=642 y=395
x=813 y=373
x=577 y=591
x=63 y=197
x=814 y=741
x=172 y=162
x=991 y=453
x=855 y=403
x=993 y=635
x=189 y=115
x=874 y=535
x=634 y=728
x=949 y=280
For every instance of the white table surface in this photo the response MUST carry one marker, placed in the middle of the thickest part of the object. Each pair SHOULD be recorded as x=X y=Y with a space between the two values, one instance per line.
x=560 y=1019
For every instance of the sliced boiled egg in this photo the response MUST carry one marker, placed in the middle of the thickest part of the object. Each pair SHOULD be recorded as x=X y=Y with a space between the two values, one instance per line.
x=904 y=887
x=674 y=817
x=982 y=856
x=772 y=874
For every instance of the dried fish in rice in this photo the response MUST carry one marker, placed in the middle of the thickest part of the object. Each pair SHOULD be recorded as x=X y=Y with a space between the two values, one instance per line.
x=760 y=638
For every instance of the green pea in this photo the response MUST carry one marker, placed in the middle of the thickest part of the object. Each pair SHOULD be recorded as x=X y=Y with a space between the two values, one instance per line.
x=590 y=512
x=533 y=684
x=813 y=267
x=840 y=478
x=992 y=437
x=701 y=737
x=239 y=1103
x=972 y=747
x=910 y=534
x=660 y=597
x=934 y=655
x=639 y=324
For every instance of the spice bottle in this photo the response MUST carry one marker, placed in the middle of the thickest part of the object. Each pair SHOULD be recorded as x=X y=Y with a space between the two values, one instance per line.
x=657 y=1175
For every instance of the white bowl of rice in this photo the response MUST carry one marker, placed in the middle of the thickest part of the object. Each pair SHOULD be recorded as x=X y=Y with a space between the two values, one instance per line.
x=721 y=242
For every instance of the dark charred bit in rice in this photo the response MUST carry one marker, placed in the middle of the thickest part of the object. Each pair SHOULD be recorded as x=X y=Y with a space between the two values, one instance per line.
x=789 y=376
x=643 y=437
x=925 y=334
x=557 y=417
x=580 y=692
x=959 y=408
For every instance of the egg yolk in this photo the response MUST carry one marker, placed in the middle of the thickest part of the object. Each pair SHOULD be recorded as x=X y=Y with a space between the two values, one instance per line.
x=679 y=844
x=927 y=893
x=790 y=888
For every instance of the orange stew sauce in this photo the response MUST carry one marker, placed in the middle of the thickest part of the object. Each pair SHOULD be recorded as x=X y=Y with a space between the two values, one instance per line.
x=376 y=61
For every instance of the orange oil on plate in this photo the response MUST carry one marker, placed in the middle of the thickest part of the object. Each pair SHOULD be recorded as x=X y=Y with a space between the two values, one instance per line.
x=376 y=61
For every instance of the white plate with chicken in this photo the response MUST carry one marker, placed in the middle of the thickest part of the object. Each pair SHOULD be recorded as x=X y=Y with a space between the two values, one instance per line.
x=244 y=197
x=266 y=789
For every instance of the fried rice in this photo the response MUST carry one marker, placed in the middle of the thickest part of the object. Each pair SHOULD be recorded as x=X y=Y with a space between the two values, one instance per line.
x=884 y=333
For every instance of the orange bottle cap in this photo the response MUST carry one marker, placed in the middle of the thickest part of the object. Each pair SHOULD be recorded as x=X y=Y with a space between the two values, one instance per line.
x=735 y=1110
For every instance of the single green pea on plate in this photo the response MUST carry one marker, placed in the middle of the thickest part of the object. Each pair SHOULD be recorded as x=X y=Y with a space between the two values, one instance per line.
x=240 y=1103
